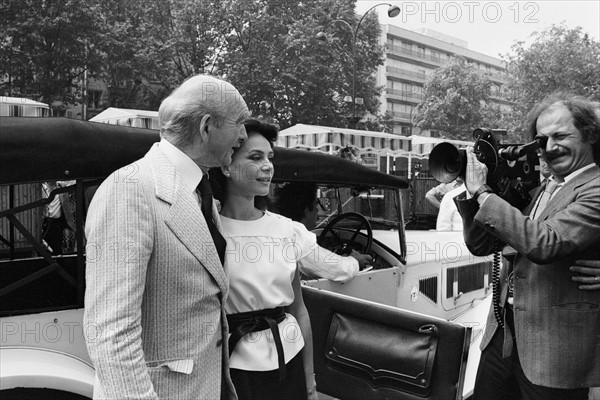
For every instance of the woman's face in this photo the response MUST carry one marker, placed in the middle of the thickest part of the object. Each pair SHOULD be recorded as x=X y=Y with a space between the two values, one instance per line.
x=251 y=170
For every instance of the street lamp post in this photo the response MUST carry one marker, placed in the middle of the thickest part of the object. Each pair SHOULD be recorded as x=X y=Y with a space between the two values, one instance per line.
x=393 y=11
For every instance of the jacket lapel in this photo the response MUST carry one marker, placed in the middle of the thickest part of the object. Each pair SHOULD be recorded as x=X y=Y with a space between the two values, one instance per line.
x=566 y=192
x=536 y=193
x=184 y=217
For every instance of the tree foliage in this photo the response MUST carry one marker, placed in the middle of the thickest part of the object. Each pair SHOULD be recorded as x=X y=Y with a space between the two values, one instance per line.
x=143 y=49
x=151 y=46
x=285 y=74
x=456 y=101
x=45 y=47
x=558 y=59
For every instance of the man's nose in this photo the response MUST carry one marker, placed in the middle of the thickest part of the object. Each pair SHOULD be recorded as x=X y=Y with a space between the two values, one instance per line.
x=243 y=135
x=550 y=145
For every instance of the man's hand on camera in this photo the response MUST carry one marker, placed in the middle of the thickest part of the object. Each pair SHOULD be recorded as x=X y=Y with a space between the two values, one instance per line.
x=476 y=174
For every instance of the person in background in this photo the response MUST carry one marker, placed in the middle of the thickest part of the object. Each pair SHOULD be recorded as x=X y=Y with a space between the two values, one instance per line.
x=155 y=283
x=449 y=218
x=545 y=172
x=350 y=153
x=58 y=224
x=298 y=201
x=435 y=195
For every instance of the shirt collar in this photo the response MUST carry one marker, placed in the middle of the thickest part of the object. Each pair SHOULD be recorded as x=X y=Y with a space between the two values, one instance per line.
x=190 y=172
x=573 y=174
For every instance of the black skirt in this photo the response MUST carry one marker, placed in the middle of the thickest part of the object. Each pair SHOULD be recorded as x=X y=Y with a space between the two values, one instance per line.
x=265 y=385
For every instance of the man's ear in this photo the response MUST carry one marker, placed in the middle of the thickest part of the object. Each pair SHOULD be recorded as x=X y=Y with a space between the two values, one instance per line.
x=204 y=126
x=225 y=171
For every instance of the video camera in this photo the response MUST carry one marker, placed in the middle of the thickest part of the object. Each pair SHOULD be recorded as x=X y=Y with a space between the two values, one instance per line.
x=512 y=171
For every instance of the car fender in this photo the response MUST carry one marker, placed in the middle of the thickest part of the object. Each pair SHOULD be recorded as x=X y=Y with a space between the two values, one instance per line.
x=42 y=368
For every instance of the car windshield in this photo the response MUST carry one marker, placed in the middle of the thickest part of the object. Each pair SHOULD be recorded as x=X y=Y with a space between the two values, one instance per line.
x=376 y=205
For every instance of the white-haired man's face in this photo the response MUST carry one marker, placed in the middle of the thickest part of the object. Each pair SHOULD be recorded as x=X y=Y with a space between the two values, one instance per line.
x=224 y=139
x=219 y=134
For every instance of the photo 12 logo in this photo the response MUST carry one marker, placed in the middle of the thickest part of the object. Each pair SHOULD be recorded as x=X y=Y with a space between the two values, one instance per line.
x=469 y=11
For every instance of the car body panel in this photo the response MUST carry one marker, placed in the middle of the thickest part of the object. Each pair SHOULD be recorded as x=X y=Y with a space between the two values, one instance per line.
x=46 y=350
x=365 y=350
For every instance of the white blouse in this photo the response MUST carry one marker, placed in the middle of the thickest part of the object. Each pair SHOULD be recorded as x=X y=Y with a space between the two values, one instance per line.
x=261 y=258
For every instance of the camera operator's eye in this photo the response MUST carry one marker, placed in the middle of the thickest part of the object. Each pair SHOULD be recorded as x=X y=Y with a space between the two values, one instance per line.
x=542 y=141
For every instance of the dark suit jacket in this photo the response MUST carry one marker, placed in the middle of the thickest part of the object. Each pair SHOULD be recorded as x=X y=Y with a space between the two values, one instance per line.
x=557 y=325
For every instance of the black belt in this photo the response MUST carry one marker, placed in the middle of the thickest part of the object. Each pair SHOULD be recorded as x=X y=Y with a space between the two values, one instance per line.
x=241 y=324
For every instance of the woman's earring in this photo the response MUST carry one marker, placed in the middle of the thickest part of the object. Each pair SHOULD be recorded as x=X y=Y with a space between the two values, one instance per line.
x=226 y=172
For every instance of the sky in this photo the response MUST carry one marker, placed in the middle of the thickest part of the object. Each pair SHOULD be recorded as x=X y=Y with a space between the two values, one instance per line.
x=490 y=27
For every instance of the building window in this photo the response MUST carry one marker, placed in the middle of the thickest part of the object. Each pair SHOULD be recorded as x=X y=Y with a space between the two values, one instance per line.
x=15 y=111
x=146 y=123
x=93 y=98
x=495 y=90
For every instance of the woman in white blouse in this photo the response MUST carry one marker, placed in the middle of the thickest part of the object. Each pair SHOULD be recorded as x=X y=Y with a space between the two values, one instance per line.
x=271 y=341
x=270 y=346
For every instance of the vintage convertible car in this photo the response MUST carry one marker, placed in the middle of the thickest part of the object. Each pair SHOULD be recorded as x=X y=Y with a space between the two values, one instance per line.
x=408 y=328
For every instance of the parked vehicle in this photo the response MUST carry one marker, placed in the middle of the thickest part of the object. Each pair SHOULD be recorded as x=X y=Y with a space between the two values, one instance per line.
x=410 y=327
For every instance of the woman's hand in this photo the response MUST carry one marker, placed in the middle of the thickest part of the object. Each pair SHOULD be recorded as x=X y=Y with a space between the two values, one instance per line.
x=311 y=388
x=364 y=260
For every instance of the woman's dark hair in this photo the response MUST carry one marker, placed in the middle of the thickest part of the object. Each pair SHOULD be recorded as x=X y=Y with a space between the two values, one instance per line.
x=292 y=199
x=218 y=180
x=583 y=110
x=267 y=130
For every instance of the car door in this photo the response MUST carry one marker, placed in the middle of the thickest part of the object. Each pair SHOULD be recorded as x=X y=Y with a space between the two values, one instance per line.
x=364 y=350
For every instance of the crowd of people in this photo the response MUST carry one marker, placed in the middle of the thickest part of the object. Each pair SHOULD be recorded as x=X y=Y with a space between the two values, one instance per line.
x=191 y=300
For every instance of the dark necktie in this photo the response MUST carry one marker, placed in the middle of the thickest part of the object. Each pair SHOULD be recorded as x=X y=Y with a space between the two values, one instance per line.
x=207 y=201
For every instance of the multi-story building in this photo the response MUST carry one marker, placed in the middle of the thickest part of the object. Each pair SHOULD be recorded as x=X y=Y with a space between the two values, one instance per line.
x=410 y=57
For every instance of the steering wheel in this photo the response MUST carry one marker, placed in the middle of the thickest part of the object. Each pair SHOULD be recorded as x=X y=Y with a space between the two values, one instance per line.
x=330 y=239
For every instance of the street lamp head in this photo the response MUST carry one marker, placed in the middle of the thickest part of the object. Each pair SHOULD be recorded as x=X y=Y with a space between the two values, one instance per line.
x=393 y=11
x=321 y=36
